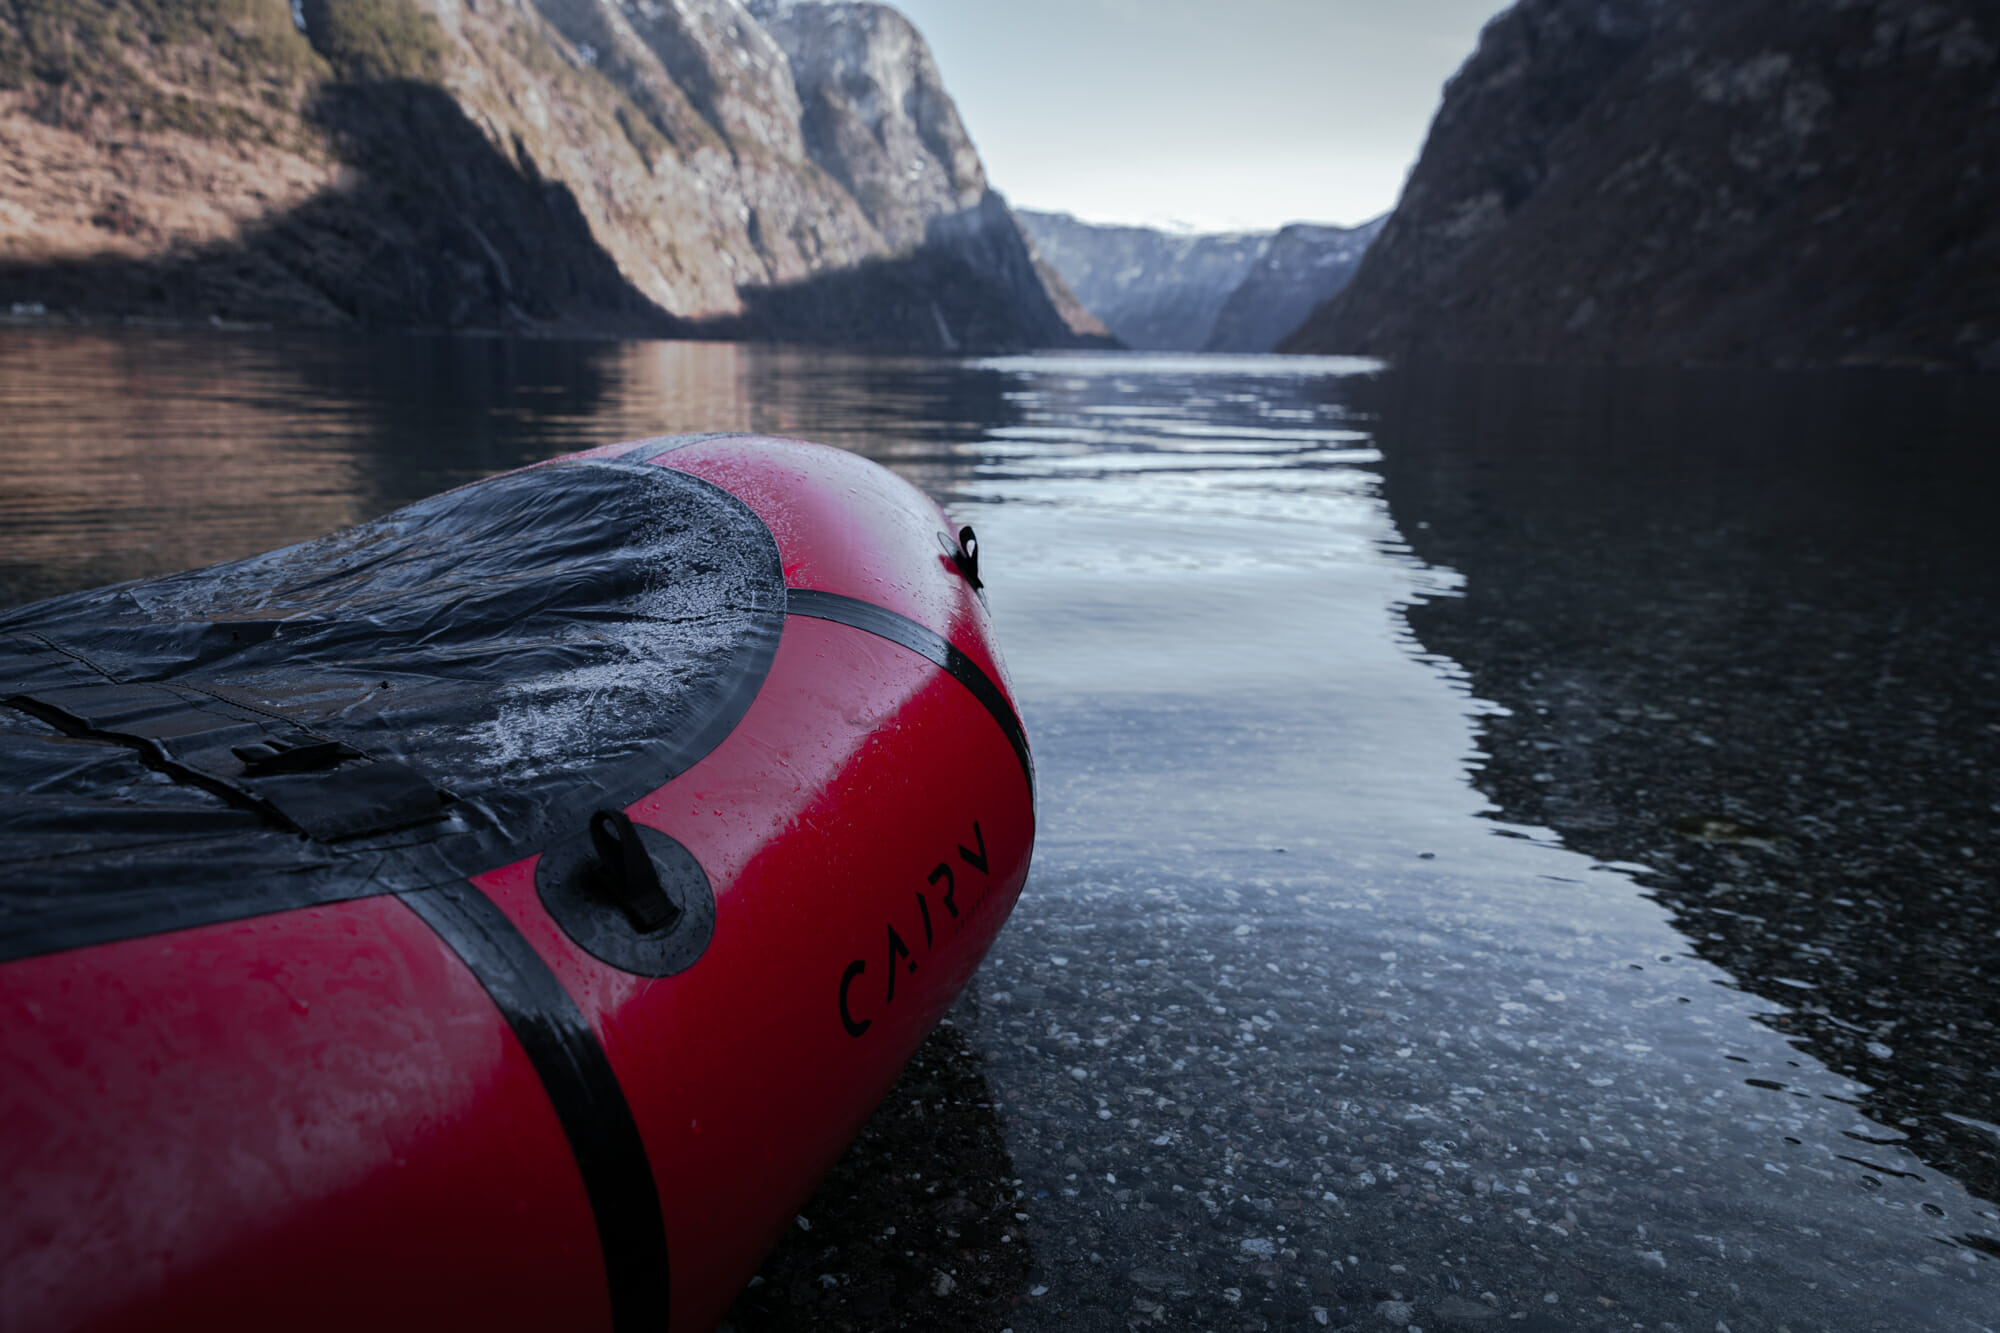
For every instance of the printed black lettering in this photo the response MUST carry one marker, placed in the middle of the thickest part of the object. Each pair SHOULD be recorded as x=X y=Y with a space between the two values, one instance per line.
x=855 y=969
x=965 y=853
x=943 y=872
x=975 y=856
x=897 y=949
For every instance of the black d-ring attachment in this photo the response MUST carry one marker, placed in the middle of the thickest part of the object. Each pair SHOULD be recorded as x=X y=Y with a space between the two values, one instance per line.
x=629 y=895
x=966 y=557
x=624 y=873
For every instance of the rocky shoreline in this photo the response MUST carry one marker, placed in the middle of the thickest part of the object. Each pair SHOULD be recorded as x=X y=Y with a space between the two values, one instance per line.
x=920 y=1223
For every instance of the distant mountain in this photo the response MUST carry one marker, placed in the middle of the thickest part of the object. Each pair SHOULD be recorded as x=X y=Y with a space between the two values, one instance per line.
x=1302 y=266
x=1707 y=181
x=699 y=168
x=1223 y=291
x=1154 y=290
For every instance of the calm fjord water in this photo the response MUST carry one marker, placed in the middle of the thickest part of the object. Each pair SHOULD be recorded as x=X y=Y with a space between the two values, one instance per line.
x=1517 y=847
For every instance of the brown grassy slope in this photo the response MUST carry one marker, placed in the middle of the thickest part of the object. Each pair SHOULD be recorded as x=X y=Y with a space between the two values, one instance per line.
x=209 y=160
x=545 y=165
x=140 y=126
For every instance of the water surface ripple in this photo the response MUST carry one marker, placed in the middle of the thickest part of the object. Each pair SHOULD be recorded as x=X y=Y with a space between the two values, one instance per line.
x=1296 y=1027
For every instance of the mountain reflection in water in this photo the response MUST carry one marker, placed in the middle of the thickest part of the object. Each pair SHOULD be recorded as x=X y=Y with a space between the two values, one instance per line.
x=1325 y=1003
x=1746 y=630
x=137 y=452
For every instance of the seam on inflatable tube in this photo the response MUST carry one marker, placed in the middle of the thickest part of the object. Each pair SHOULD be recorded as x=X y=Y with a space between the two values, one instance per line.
x=925 y=642
x=582 y=1087
x=645 y=451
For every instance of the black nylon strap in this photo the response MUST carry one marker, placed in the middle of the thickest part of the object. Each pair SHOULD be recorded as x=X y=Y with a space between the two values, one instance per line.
x=303 y=780
x=577 y=1075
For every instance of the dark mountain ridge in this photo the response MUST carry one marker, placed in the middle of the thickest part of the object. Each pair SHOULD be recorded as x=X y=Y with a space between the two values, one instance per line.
x=1752 y=182
x=1302 y=265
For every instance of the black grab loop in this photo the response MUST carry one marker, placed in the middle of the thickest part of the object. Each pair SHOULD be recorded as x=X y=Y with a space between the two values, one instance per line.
x=966 y=557
x=624 y=873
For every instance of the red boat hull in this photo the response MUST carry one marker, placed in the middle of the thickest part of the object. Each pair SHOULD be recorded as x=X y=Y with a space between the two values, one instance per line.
x=411 y=1108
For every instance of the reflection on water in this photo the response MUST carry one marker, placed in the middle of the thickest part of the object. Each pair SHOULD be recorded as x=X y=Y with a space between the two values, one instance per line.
x=1298 y=1028
x=1326 y=1004
x=1745 y=630
x=129 y=453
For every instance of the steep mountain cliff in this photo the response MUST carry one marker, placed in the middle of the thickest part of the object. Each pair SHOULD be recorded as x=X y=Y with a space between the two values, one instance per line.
x=1219 y=292
x=1709 y=181
x=876 y=118
x=1302 y=266
x=539 y=165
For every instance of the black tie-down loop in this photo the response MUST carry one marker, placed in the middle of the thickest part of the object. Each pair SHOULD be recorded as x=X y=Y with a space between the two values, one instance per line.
x=964 y=554
x=625 y=874
x=967 y=558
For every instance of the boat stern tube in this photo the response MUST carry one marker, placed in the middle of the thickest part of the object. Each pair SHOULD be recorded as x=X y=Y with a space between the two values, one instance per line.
x=504 y=911
x=895 y=817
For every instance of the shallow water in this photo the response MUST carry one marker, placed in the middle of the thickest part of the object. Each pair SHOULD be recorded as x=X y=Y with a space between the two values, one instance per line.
x=1298 y=1026
x=1451 y=782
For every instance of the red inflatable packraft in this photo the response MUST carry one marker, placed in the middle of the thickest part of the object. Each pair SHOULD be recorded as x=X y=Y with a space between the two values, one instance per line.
x=499 y=914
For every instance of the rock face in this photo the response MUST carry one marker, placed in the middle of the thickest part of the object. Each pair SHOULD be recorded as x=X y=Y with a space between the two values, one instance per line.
x=1302 y=266
x=1708 y=181
x=1220 y=292
x=960 y=273
x=875 y=114
x=531 y=165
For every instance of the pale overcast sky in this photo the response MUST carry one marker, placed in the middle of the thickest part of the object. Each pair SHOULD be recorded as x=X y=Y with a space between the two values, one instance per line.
x=1216 y=114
